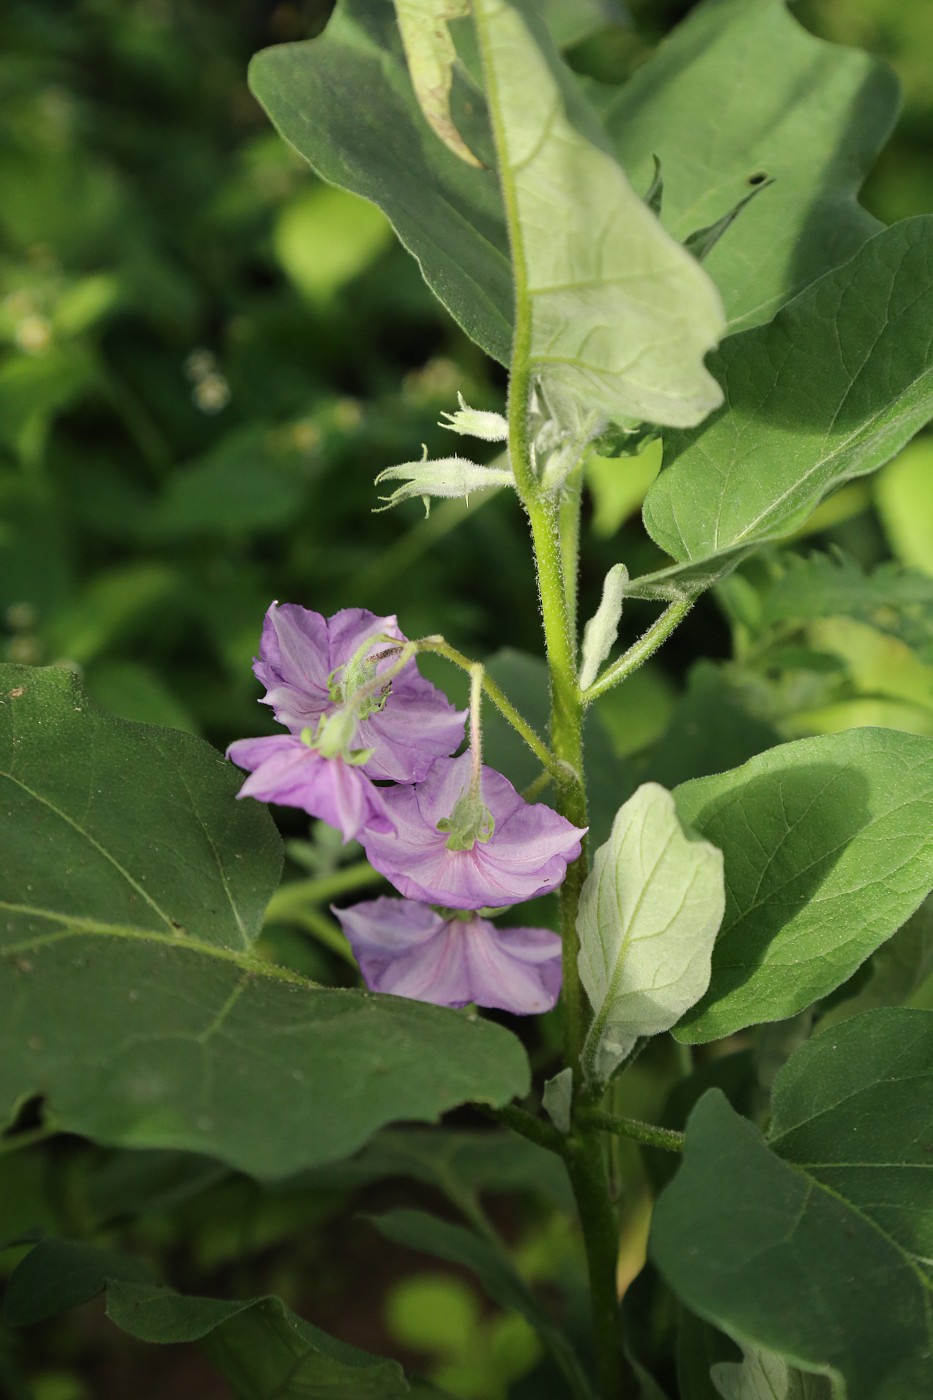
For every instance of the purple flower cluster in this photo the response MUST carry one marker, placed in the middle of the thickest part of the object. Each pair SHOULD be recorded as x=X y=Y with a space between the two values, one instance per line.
x=441 y=829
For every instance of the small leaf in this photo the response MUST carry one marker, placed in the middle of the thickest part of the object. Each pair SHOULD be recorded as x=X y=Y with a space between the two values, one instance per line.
x=764 y=1376
x=431 y=55
x=816 y=1244
x=617 y=316
x=702 y=242
x=828 y=846
x=649 y=913
x=600 y=632
x=557 y=1098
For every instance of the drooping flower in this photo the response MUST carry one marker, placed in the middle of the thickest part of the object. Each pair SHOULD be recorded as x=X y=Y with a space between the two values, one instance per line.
x=287 y=770
x=410 y=950
x=313 y=667
x=451 y=847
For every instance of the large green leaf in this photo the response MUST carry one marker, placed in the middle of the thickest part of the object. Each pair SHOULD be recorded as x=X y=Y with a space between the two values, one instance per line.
x=345 y=102
x=829 y=390
x=740 y=92
x=134 y=1001
x=816 y=1245
x=828 y=847
x=611 y=312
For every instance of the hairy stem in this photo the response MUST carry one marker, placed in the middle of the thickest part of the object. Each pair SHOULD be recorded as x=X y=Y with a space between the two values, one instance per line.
x=665 y=1138
x=639 y=652
x=497 y=696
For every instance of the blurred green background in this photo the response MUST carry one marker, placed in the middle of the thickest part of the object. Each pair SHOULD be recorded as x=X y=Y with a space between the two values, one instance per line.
x=205 y=358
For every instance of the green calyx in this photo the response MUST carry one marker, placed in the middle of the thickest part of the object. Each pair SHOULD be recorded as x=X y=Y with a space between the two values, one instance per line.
x=469 y=822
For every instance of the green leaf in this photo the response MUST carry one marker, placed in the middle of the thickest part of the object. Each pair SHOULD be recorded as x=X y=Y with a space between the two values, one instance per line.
x=457 y=1161
x=431 y=55
x=492 y=1266
x=816 y=1245
x=829 y=390
x=763 y=1376
x=265 y=1351
x=828 y=847
x=648 y=917
x=325 y=238
x=599 y=634
x=345 y=102
x=132 y=888
x=611 y=312
x=738 y=93
x=904 y=494
x=61 y=1274
x=892 y=599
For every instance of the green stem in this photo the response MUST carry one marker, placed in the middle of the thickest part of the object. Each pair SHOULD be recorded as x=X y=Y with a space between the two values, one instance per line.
x=587 y=1172
x=640 y=651
x=497 y=696
x=295 y=897
x=536 y=1130
x=665 y=1138
x=570 y=542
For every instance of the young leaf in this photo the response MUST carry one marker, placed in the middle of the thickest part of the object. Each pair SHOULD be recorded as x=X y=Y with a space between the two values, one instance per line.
x=132 y=890
x=649 y=913
x=740 y=93
x=430 y=52
x=600 y=632
x=829 y=390
x=328 y=96
x=790 y=1244
x=828 y=847
x=611 y=312
x=764 y=1376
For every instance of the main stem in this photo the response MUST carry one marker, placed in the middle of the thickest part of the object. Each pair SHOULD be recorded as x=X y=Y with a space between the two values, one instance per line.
x=583 y=1151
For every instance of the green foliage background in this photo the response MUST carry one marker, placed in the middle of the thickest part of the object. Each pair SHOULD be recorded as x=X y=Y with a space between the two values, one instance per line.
x=207 y=355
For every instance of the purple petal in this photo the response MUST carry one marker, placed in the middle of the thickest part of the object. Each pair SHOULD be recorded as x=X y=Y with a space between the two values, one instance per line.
x=408 y=950
x=527 y=855
x=299 y=652
x=286 y=771
x=294 y=664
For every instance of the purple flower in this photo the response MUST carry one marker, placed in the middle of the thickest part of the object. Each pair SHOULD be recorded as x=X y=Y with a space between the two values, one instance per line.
x=312 y=666
x=410 y=951
x=284 y=769
x=526 y=854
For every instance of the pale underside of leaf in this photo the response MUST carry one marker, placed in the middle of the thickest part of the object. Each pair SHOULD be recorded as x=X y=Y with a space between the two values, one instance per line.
x=618 y=316
x=649 y=913
x=430 y=52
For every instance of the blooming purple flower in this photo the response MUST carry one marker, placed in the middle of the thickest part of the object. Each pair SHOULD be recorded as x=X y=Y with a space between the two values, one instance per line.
x=411 y=951
x=311 y=666
x=285 y=769
x=526 y=854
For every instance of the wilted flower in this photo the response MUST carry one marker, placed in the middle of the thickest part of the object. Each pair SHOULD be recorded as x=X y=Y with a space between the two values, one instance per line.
x=451 y=959
x=453 y=848
x=285 y=769
x=314 y=667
